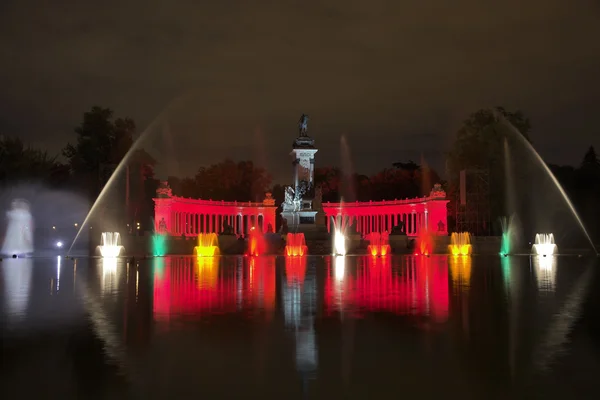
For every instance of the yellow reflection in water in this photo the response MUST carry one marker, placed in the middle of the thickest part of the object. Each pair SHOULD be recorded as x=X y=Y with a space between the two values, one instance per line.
x=207 y=271
x=460 y=269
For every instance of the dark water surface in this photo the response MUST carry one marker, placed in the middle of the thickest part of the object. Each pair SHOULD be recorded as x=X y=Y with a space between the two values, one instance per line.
x=310 y=327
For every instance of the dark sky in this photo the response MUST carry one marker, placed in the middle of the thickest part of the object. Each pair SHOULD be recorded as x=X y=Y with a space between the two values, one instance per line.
x=230 y=78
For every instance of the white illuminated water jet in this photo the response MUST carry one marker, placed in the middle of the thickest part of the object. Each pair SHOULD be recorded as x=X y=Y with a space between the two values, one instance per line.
x=110 y=244
x=339 y=243
x=18 y=239
x=135 y=146
x=544 y=244
x=546 y=168
x=339 y=226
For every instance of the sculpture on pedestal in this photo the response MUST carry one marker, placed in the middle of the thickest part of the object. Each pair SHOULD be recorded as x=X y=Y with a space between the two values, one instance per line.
x=303 y=125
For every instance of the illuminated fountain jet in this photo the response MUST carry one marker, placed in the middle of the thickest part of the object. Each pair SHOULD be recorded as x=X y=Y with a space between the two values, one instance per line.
x=295 y=244
x=460 y=244
x=340 y=226
x=424 y=243
x=208 y=245
x=379 y=243
x=257 y=245
x=18 y=239
x=110 y=246
x=544 y=244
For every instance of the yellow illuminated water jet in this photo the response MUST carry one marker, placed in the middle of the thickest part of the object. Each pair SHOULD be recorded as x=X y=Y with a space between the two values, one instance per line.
x=460 y=244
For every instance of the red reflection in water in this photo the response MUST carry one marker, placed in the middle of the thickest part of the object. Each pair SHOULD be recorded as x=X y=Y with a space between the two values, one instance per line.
x=418 y=286
x=196 y=285
x=295 y=270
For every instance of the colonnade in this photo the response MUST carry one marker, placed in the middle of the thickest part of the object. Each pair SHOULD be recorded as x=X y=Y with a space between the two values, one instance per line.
x=412 y=223
x=192 y=224
x=413 y=215
x=179 y=216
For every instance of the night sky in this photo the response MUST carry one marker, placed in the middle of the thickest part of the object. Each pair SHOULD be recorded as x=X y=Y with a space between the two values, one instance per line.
x=230 y=78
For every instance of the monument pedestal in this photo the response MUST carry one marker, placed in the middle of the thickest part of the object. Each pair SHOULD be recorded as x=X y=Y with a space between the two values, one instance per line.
x=300 y=221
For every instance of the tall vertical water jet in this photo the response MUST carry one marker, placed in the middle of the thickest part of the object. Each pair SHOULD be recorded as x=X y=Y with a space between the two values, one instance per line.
x=348 y=190
x=295 y=244
x=159 y=245
x=18 y=239
x=510 y=235
x=110 y=246
x=544 y=244
x=379 y=243
x=460 y=244
x=541 y=161
x=257 y=244
x=208 y=245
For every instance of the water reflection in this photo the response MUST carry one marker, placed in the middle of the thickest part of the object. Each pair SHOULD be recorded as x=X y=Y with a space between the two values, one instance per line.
x=413 y=285
x=300 y=299
x=254 y=326
x=214 y=285
x=545 y=272
x=17 y=281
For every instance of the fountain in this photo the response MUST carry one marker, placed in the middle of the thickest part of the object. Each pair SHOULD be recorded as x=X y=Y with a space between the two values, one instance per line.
x=379 y=243
x=544 y=244
x=460 y=244
x=208 y=245
x=257 y=244
x=546 y=168
x=110 y=246
x=339 y=226
x=159 y=245
x=424 y=243
x=295 y=244
x=510 y=235
x=18 y=239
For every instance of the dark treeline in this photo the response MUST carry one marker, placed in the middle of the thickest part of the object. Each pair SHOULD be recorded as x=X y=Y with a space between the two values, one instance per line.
x=101 y=141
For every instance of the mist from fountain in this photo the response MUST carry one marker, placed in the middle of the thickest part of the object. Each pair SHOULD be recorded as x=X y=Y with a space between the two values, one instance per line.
x=460 y=244
x=295 y=245
x=541 y=161
x=379 y=243
x=544 y=244
x=208 y=245
x=110 y=246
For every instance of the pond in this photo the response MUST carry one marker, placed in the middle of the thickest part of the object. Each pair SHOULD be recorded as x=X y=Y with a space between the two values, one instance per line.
x=301 y=327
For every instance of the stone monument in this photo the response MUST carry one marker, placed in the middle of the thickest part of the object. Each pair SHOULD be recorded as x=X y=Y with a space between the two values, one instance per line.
x=299 y=207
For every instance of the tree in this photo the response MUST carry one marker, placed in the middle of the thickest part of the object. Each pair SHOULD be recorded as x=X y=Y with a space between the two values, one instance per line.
x=480 y=145
x=100 y=146
x=227 y=180
x=21 y=163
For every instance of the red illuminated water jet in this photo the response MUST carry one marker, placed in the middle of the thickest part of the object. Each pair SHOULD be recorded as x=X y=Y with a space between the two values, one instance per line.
x=257 y=245
x=295 y=245
x=379 y=243
x=424 y=244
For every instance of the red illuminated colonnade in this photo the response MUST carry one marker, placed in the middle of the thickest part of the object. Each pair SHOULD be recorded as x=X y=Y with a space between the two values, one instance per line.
x=381 y=216
x=180 y=216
